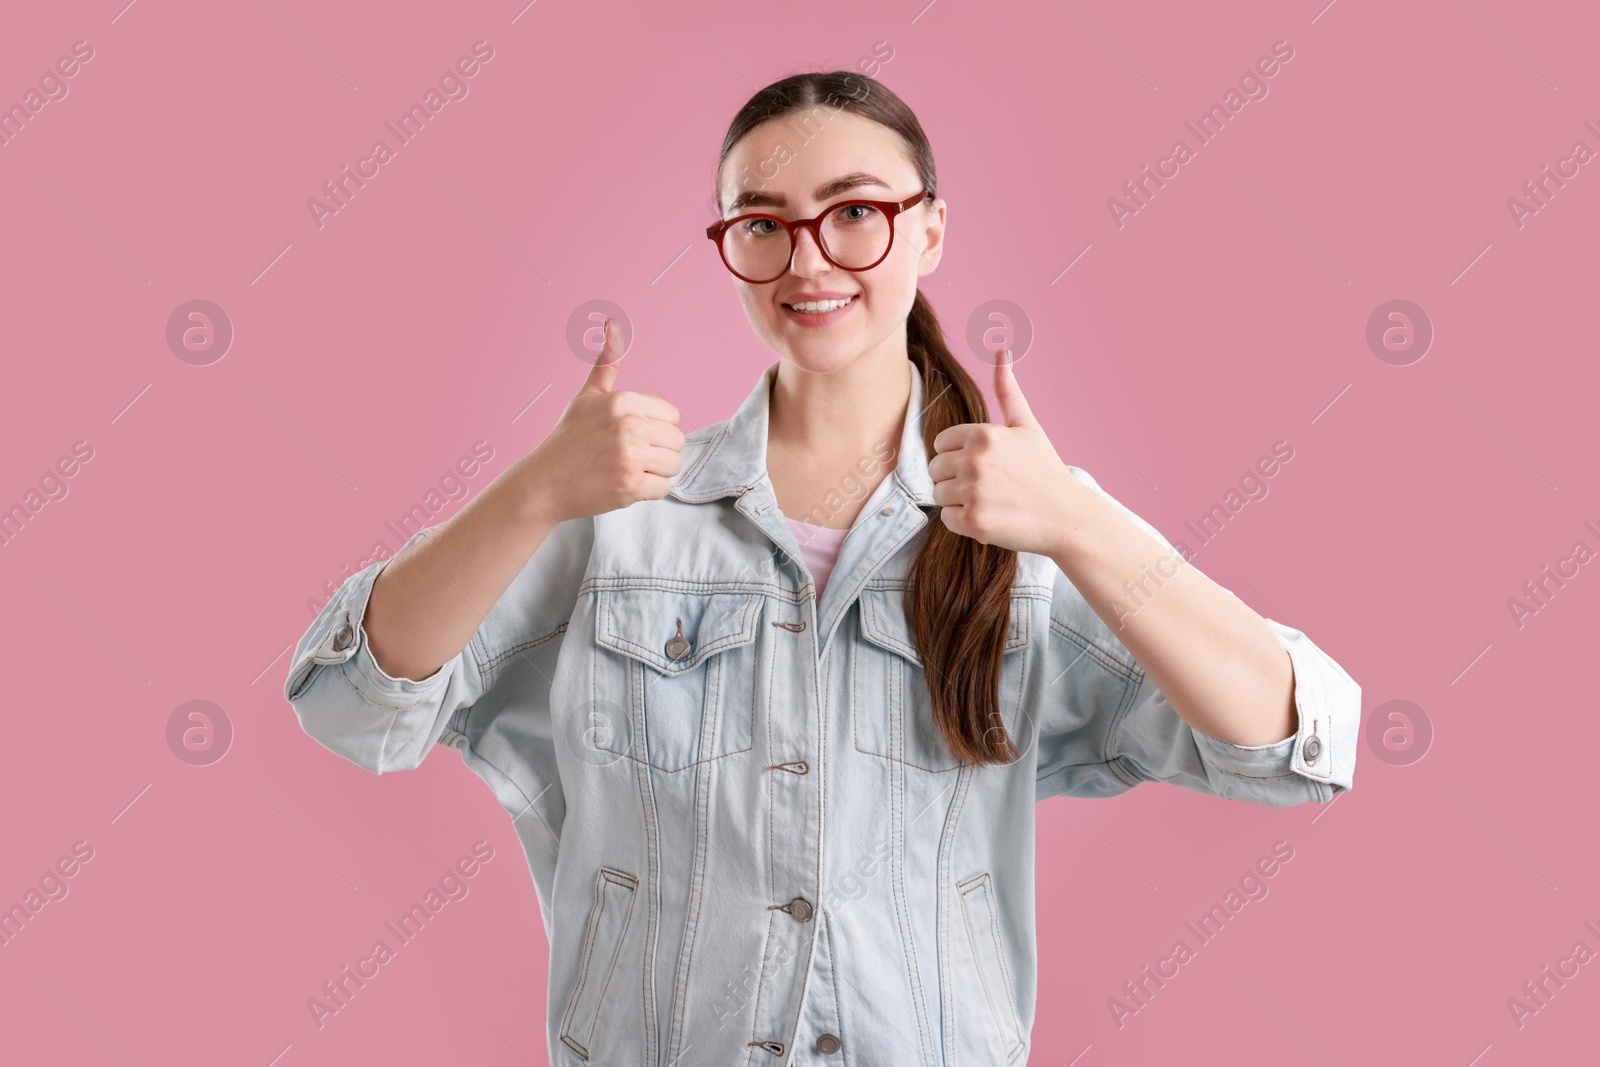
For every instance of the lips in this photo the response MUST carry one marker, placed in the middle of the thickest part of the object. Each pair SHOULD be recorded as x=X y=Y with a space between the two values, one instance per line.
x=814 y=320
x=850 y=298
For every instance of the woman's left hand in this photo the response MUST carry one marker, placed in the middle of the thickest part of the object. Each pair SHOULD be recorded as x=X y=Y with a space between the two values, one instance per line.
x=1003 y=484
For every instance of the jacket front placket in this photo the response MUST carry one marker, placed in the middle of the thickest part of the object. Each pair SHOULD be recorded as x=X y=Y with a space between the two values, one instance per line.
x=791 y=780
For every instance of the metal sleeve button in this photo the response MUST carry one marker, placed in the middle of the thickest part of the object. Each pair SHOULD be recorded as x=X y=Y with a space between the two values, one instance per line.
x=827 y=1043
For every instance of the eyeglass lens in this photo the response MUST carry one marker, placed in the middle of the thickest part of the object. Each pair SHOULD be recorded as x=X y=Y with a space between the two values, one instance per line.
x=853 y=236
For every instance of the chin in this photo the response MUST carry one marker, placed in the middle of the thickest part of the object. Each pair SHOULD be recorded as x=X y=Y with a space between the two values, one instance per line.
x=822 y=357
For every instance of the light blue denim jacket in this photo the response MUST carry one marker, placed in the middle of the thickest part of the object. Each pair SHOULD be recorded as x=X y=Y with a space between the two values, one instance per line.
x=749 y=844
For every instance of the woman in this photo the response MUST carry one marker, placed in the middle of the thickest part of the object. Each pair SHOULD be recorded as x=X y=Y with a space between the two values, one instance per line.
x=776 y=778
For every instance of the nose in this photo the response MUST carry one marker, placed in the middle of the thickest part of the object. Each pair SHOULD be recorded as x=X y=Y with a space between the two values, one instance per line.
x=806 y=258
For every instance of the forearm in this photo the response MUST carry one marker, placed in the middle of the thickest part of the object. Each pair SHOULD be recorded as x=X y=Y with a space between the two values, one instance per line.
x=430 y=599
x=1217 y=662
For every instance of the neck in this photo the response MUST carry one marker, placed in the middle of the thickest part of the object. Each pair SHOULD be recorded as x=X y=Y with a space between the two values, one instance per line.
x=832 y=437
x=841 y=413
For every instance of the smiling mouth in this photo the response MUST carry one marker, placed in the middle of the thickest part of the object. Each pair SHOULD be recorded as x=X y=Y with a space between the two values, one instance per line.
x=821 y=307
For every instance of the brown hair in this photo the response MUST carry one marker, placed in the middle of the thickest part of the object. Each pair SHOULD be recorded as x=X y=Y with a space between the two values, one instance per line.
x=958 y=591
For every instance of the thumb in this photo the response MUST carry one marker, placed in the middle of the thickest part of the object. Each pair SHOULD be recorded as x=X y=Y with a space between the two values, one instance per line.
x=1013 y=406
x=603 y=372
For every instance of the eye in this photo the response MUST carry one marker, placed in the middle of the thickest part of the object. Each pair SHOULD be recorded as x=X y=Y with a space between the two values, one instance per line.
x=754 y=227
x=856 y=213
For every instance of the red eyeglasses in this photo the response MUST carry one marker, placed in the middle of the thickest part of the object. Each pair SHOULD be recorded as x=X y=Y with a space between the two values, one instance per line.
x=854 y=235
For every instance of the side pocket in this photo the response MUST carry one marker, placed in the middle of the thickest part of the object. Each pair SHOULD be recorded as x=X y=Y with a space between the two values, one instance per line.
x=602 y=941
x=983 y=934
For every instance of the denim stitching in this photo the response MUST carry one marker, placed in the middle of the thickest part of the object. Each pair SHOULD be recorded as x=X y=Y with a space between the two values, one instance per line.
x=351 y=675
x=622 y=936
x=596 y=912
x=595 y=585
x=641 y=754
x=1094 y=651
x=883 y=639
x=1129 y=690
x=653 y=871
x=1005 y=972
x=488 y=667
x=772 y=878
x=895 y=689
x=706 y=650
x=695 y=900
x=744 y=635
x=908 y=943
x=942 y=926
x=833 y=963
x=965 y=890
x=766 y=948
x=712 y=441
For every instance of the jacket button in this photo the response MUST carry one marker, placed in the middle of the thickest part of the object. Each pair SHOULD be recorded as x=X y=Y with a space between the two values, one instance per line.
x=678 y=647
x=344 y=638
x=800 y=908
x=885 y=511
x=1312 y=749
x=827 y=1043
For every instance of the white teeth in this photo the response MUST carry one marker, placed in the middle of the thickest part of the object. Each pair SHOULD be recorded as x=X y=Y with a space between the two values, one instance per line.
x=813 y=307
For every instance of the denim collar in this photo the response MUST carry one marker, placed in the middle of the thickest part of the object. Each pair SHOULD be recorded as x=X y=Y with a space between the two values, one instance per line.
x=736 y=457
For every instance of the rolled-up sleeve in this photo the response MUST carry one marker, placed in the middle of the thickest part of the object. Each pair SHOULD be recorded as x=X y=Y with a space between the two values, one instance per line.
x=491 y=701
x=351 y=706
x=1104 y=726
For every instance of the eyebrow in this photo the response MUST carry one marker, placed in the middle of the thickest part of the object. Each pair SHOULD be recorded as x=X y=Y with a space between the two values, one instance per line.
x=825 y=191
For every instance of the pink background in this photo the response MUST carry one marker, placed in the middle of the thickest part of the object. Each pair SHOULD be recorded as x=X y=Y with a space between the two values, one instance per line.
x=371 y=353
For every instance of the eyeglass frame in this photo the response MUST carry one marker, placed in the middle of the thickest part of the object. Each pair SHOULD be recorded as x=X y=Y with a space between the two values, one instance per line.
x=890 y=208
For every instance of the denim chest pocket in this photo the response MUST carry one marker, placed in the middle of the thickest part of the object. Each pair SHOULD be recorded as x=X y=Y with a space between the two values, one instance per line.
x=892 y=710
x=677 y=674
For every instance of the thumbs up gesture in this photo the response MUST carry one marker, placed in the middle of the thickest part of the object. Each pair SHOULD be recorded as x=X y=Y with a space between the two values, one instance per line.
x=610 y=448
x=1003 y=484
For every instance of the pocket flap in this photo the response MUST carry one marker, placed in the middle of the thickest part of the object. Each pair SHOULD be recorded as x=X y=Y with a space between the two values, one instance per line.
x=643 y=623
x=884 y=623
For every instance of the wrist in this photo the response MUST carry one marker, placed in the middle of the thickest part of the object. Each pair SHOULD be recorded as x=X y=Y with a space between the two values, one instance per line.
x=530 y=494
x=1076 y=516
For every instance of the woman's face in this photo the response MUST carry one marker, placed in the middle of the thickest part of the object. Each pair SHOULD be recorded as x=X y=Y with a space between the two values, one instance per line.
x=791 y=167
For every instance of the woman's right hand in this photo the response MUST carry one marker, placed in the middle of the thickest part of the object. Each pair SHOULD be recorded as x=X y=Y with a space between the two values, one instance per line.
x=609 y=449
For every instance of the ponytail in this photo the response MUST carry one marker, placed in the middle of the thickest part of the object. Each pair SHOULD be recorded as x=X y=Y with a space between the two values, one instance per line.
x=958 y=591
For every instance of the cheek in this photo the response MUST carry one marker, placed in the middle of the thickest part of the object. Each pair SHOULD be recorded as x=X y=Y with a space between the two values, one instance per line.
x=750 y=300
x=896 y=277
x=759 y=310
x=890 y=293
